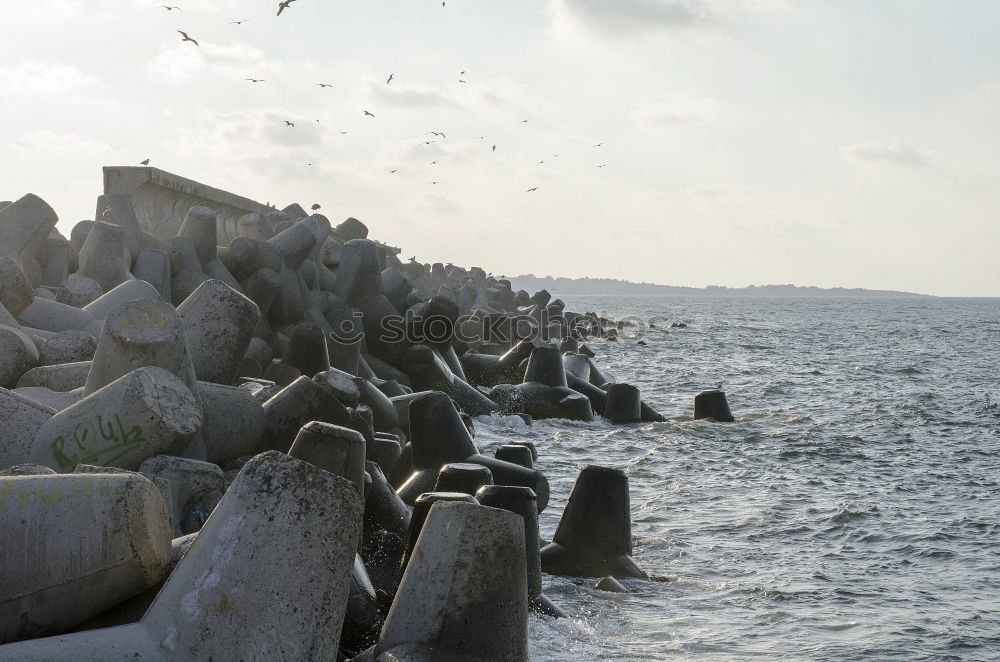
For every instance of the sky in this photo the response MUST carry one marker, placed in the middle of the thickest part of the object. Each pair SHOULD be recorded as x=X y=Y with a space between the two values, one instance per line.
x=682 y=142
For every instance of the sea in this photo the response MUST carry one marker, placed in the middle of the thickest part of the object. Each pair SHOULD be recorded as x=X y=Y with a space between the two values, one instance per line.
x=851 y=512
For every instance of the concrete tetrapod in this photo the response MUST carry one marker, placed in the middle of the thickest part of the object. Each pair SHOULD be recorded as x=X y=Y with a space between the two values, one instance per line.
x=712 y=404
x=594 y=536
x=544 y=392
x=227 y=599
x=147 y=412
x=218 y=325
x=464 y=595
x=137 y=334
x=439 y=437
x=74 y=545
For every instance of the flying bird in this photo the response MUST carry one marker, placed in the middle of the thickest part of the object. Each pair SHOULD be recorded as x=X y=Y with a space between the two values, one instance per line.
x=428 y=142
x=461 y=73
x=531 y=189
x=598 y=144
x=482 y=137
x=168 y=8
x=343 y=133
x=434 y=162
x=494 y=148
x=255 y=80
x=433 y=182
x=369 y=114
x=144 y=162
x=523 y=121
x=289 y=123
x=325 y=84
x=314 y=207
x=437 y=133
x=240 y=22
x=187 y=38
x=393 y=171
x=389 y=79
x=540 y=162
x=462 y=81
x=283 y=5
x=602 y=165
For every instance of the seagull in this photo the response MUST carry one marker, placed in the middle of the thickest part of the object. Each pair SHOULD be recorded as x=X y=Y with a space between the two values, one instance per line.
x=187 y=38
x=461 y=73
x=531 y=189
x=433 y=182
x=240 y=22
x=289 y=123
x=314 y=207
x=523 y=121
x=144 y=162
x=482 y=137
x=428 y=142
x=494 y=148
x=602 y=165
x=389 y=79
x=283 y=5
x=434 y=162
x=168 y=8
x=462 y=81
x=540 y=162
x=325 y=84
x=393 y=171
x=598 y=144
x=309 y=164
x=369 y=114
x=343 y=133
x=255 y=80
x=437 y=133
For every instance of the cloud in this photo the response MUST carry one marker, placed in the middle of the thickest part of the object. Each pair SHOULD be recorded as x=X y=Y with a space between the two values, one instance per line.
x=657 y=115
x=894 y=153
x=179 y=61
x=63 y=144
x=630 y=18
x=408 y=96
x=43 y=78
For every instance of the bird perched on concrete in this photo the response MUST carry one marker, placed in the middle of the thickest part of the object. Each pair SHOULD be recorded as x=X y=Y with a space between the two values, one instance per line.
x=369 y=114
x=187 y=38
x=289 y=123
x=314 y=207
x=144 y=162
x=283 y=5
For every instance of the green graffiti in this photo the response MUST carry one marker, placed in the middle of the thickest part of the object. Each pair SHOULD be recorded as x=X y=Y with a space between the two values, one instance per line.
x=96 y=440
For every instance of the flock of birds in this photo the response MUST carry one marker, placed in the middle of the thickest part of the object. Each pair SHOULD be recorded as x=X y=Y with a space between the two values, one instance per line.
x=285 y=4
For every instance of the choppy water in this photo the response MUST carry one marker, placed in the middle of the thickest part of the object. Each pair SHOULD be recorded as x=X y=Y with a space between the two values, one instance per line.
x=852 y=512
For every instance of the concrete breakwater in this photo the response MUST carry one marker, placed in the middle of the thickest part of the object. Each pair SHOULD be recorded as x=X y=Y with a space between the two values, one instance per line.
x=233 y=432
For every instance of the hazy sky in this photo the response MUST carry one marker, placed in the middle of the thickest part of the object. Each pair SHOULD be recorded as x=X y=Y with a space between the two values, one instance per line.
x=838 y=143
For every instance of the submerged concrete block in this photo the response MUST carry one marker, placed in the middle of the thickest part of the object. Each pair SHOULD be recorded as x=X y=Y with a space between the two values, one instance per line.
x=74 y=545
x=464 y=593
x=147 y=412
x=227 y=599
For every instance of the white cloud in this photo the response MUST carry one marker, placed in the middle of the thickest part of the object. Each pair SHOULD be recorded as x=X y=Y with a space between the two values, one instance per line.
x=28 y=77
x=62 y=144
x=408 y=95
x=656 y=115
x=893 y=152
x=179 y=61
x=629 y=18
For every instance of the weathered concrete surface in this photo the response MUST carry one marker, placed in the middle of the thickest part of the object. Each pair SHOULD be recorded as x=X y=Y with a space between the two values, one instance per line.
x=18 y=355
x=147 y=412
x=228 y=599
x=22 y=419
x=161 y=200
x=60 y=377
x=195 y=489
x=464 y=593
x=218 y=325
x=141 y=333
x=74 y=545
x=25 y=226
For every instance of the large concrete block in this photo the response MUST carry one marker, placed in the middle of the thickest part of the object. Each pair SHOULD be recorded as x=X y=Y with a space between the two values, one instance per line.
x=195 y=489
x=22 y=419
x=228 y=599
x=141 y=333
x=74 y=545
x=464 y=595
x=219 y=323
x=147 y=412
x=18 y=355
x=25 y=226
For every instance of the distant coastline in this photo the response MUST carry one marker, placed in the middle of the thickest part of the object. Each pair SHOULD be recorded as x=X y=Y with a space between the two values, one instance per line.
x=561 y=286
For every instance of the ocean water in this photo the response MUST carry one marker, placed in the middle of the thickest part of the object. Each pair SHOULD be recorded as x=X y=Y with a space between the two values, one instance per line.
x=852 y=511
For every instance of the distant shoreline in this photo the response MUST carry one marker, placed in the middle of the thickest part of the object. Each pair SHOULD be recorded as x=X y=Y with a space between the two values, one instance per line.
x=609 y=286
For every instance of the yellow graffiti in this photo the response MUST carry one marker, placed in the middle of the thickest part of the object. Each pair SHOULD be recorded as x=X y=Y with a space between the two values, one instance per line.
x=145 y=316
